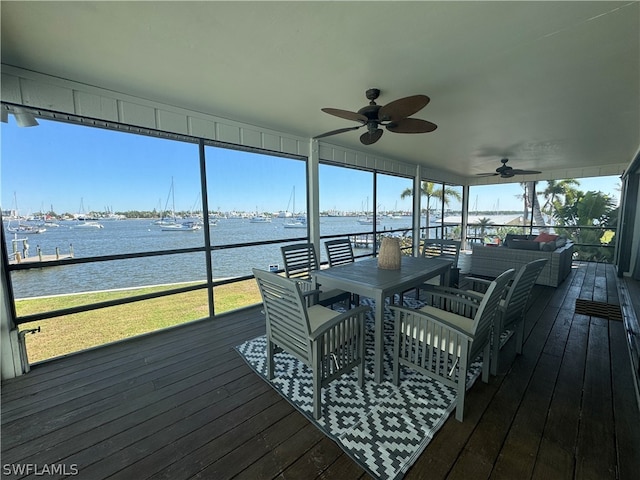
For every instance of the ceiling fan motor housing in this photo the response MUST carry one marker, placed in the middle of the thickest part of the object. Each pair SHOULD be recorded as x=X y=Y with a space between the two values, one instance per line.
x=370 y=111
x=372 y=94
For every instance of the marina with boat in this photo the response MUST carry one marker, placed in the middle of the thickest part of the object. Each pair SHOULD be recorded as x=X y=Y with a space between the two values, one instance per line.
x=230 y=259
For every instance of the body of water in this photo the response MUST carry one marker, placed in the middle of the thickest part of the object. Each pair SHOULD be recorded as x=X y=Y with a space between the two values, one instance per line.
x=133 y=236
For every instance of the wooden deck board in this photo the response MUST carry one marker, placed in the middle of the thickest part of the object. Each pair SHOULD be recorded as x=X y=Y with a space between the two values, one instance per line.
x=182 y=404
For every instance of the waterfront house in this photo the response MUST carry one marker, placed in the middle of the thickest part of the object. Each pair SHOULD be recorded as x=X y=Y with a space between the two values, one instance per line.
x=553 y=86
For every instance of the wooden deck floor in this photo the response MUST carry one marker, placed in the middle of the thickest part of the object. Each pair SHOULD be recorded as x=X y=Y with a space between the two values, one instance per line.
x=182 y=404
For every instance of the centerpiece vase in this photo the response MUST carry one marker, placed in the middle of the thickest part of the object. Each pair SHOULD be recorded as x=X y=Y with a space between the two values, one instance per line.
x=389 y=257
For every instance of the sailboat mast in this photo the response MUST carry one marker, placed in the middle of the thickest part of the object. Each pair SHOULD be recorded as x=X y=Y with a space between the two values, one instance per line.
x=173 y=200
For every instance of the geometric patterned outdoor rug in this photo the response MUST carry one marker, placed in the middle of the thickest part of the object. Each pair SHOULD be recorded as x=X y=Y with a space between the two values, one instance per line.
x=382 y=427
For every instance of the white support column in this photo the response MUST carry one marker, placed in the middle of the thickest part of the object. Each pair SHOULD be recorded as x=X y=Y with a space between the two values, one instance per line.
x=313 y=195
x=465 y=216
x=417 y=200
x=12 y=363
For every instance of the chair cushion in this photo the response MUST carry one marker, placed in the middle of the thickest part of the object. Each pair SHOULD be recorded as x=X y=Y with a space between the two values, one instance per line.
x=464 y=323
x=319 y=315
x=452 y=318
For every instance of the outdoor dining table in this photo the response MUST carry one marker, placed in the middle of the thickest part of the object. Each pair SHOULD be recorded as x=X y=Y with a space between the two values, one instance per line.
x=364 y=278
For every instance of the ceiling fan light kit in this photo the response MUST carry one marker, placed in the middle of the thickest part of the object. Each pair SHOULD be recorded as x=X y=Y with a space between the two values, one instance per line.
x=393 y=116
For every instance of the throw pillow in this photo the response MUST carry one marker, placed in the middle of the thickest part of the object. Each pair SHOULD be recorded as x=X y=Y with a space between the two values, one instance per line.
x=545 y=237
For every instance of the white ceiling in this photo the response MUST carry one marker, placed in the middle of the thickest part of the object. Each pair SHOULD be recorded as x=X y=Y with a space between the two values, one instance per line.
x=555 y=86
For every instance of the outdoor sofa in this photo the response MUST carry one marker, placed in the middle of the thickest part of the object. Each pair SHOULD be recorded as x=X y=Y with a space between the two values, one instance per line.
x=518 y=250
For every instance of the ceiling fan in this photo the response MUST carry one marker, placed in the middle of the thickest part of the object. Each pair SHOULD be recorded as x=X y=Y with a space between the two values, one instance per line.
x=393 y=116
x=506 y=171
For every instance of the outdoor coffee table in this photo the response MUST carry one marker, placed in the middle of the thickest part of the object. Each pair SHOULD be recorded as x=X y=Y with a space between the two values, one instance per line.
x=364 y=278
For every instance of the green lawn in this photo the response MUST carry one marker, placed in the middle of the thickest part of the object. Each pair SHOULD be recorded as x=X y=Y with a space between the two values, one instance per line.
x=71 y=333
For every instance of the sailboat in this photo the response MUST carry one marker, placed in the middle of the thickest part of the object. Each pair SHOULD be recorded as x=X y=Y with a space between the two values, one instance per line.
x=172 y=225
x=182 y=227
x=297 y=222
x=260 y=218
x=21 y=227
x=25 y=228
x=165 y=221
x=368 y=220
x=86 y=221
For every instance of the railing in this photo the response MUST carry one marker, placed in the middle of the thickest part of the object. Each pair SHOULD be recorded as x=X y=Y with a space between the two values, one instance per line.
x=135 y=298
x=584 y=250
x=201 y=285
x=368 y=240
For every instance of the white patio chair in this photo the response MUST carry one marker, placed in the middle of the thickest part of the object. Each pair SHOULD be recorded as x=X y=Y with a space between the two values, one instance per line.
x=441 y=339
x=328 y=342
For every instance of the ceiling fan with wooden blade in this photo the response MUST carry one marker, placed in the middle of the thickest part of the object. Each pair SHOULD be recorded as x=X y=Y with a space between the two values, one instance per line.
x=505 y=171
x=335 y=132
x=393 y=116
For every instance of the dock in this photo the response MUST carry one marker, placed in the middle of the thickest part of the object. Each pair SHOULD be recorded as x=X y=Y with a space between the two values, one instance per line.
x=361 y=241
x=22 y=256
x=17 y=259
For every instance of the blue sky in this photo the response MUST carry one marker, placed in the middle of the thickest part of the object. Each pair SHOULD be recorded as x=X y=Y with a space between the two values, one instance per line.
x=484 y=197
x=69 y=167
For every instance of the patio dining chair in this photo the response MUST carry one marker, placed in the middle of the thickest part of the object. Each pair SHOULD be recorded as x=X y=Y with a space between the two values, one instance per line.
x=440 y=248
x=442 y=339
x=340 y=252
x=512 y=308
x=300 y=261
x=330 y=343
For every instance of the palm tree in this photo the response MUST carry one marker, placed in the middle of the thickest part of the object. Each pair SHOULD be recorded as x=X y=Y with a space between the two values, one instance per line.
x=557 y=190
x=429 y=190
x=484 y=222
x=531 y=202
x=590 y=209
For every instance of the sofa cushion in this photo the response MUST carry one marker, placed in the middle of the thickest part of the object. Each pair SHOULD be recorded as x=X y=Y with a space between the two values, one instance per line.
x=511 y=237
x=521 y=244
x=545 y=242
x=548 y=246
